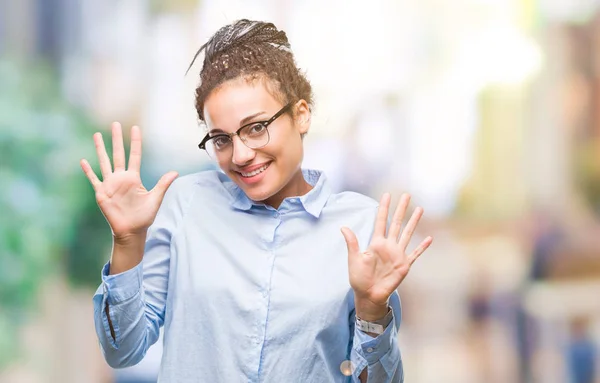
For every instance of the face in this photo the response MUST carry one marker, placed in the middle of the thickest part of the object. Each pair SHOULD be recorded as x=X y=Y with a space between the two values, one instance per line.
x=272 y=172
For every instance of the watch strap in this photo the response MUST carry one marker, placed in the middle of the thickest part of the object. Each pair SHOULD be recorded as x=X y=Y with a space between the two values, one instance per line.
x=375 y=327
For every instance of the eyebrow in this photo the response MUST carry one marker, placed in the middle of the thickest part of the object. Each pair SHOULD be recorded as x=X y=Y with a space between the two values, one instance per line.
x=243 y=122
x=246 y=120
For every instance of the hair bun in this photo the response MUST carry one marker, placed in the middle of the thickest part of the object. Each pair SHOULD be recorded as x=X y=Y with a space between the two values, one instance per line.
x=240 y=33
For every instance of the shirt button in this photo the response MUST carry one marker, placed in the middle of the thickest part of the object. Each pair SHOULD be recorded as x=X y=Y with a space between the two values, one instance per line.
x=276 y=215
x=370 y=349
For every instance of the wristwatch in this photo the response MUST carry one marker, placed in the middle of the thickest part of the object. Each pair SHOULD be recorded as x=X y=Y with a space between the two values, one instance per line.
x=375 y=327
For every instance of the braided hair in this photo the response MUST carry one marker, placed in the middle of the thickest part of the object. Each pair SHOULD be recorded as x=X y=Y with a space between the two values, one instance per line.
x=251 y=50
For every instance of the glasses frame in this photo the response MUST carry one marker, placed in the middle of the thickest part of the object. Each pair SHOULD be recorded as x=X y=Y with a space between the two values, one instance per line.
x=202 y=144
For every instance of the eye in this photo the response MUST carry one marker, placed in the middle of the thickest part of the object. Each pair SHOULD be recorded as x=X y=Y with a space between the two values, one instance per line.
x=256 y=129
x=221 y=142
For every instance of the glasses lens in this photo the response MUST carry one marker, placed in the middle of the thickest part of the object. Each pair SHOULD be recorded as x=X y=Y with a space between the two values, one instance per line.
x=218 y=146
x=255 y=135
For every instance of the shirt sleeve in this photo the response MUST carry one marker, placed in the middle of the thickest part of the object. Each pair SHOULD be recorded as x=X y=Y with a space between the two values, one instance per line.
x=380 y=355
x=129 y=308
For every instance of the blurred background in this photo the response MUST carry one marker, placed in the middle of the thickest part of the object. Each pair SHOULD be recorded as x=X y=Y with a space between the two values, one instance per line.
x=487 y=111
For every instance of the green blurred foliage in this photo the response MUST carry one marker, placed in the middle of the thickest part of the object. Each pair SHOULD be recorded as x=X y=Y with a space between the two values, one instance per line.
x=49 y=221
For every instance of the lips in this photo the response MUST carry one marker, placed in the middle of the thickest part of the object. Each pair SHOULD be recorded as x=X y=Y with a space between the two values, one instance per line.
x=253 y=170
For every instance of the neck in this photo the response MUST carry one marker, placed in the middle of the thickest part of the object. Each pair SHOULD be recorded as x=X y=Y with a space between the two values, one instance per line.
x=295 y=188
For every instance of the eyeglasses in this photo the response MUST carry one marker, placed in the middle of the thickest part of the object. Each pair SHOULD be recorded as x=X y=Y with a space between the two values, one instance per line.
x=254 y=135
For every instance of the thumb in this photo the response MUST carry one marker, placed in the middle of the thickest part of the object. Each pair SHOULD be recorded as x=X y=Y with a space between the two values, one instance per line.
x=351 y=241
x=163 y=184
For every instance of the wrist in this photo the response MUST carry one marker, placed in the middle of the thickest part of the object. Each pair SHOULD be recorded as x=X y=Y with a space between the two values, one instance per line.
x=375 y=327
x=129 y=240
x=370 y=311
x=127 y=253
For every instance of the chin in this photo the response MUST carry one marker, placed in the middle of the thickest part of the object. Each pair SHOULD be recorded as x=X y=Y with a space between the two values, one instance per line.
x=256 y=195
x=261 y=190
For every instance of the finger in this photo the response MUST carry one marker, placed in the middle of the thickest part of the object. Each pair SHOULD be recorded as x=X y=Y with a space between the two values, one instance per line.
x=419 y=250
x=118 y=149
x=163 y=184
x=89 y=172
x=105 y=167
x=351 y=241
x=396 y=223
x=382 y=214
x=409 y=230
x=135 y=152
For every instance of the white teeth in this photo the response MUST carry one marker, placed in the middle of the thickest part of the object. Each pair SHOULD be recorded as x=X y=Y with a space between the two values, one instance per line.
x=257 y=171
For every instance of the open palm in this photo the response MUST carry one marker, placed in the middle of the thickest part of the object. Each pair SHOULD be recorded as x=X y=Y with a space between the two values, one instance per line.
x=377 y=272
x=126 y=204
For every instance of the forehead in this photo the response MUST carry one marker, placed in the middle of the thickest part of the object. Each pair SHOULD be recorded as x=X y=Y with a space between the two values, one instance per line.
x=237 y=99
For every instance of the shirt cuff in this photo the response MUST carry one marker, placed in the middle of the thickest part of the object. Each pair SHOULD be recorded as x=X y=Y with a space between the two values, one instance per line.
x=121 y=287
x=373 y=349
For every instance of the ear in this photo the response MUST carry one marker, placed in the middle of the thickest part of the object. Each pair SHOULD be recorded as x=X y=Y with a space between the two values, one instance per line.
x=302 y=116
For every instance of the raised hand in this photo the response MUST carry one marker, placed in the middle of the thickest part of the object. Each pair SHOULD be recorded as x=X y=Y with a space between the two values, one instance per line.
x=126 y=204
x=377 y=272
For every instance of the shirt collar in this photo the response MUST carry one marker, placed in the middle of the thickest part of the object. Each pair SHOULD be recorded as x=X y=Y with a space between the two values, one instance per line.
x=313 y=201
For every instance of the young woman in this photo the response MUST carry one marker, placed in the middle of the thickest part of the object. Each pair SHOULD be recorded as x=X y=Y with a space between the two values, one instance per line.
x=247 y=268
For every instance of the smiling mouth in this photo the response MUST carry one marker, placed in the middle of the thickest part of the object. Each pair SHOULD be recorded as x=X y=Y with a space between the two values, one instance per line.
x=255 y=172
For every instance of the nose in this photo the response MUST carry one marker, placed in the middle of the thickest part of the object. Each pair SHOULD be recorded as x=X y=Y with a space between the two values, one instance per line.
x=241 y=153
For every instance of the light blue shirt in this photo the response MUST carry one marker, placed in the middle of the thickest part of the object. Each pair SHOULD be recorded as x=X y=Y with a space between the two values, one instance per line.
x=246 y=292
